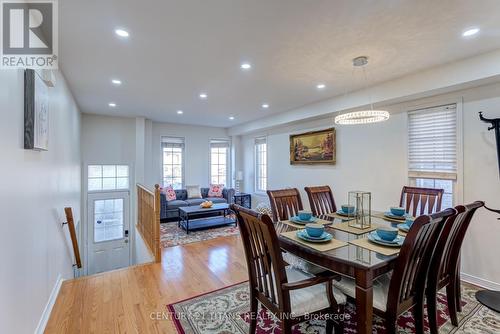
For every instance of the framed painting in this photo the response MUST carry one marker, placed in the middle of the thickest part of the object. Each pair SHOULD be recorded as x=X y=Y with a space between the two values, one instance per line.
x=315 y=147
x=36 y=112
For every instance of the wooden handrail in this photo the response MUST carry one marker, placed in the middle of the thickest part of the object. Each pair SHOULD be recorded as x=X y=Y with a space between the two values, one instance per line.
x=148 y=219
x=72 y=232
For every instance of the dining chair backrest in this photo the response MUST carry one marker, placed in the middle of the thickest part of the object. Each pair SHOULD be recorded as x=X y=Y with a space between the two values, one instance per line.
x=412 y=264
x=447 y=255
x=420 y=201
x=321 y=200
x=265 y=264
x=285 y=203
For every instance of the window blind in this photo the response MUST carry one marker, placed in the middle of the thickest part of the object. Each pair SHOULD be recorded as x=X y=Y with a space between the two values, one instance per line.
x=222 y=143
x=176 y=142
x=432 y=142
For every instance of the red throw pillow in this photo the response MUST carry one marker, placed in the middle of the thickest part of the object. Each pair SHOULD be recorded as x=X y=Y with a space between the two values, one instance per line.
x=170 y=193
x=215 y=190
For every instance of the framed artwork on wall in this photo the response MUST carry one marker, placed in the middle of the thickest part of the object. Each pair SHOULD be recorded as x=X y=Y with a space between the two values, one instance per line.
x=36 y=112
x=315 y=147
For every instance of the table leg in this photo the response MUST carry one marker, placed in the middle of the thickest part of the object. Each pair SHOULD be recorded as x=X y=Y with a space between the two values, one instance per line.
x=187 y=223
x=364 y=301
x=178 y=218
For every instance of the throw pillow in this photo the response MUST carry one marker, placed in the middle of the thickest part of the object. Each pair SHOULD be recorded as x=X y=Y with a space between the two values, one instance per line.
x=193 y=191
x=215 y=190
x=170 y=193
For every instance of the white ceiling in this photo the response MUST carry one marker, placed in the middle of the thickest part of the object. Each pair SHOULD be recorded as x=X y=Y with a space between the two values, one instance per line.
x=178 y=49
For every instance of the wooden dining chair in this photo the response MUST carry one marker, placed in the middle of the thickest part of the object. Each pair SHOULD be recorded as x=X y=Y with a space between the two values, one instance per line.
x=404 y=287
x=285 y=203
x=420 y=201
x=445 y=265
x=321 y=200
x=288 y=293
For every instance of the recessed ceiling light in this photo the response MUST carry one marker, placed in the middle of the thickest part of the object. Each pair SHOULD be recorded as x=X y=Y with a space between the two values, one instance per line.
x=246 y=66
x=112 y=104
x=180 y=112
x=265 y=106
x=121 y=33
x=231 y=118
x=470 y=32
x=203 y=96
x=320 y=86
x=116 y=82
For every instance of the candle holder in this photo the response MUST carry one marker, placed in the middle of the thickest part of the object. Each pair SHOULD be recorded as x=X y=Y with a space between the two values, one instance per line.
x=362 y=202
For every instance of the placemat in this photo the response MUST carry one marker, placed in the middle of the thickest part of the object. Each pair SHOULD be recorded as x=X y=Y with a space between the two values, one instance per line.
x=365 y=243
x=318 y=221
x=337 y=216
x=382 y=216
x=322 y=247
x=353 y=230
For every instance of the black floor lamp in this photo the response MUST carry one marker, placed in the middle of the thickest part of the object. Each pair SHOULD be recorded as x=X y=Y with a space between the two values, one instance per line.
x=489 y=298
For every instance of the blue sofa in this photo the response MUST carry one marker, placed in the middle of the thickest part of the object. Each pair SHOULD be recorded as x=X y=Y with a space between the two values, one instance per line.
x=170 y=209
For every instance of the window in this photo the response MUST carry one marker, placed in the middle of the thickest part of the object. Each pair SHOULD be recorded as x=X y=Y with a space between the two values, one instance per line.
x=107 y=177
x=173 y=162
x=219 y=161
x=432 y=149
x=260 y=165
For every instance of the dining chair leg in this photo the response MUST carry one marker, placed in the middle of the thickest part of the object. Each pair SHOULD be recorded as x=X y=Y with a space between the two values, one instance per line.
x=418 y=313
x=390 y=324
x=254 y=305
x=458 y=292
x=432 y=310
x=452 y=304
x=286 y=326
x=339 y=324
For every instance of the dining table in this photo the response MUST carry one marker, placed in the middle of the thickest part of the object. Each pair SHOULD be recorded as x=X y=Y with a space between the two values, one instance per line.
x=360 y=263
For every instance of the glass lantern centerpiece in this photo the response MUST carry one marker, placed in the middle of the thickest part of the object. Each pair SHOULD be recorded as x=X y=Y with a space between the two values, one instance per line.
x=362 y=203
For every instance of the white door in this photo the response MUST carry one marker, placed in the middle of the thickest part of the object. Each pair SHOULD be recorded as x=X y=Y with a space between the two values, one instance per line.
x=108 y=231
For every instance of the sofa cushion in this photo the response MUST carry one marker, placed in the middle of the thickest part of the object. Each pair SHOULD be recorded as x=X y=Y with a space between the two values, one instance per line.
x=193 y=191
x=176 y=204
x=170 y=193
x=215 y=190
x=195 y=201
x=216 y=199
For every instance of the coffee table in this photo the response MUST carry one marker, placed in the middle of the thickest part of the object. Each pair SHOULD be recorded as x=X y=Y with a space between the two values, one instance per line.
x=188 y=213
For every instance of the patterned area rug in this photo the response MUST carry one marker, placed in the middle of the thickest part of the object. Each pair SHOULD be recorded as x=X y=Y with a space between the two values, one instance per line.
x=171 y=235
x=226 y=311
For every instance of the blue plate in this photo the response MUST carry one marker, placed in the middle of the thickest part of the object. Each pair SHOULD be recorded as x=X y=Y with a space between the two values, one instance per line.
x=404 y=227
x=297 y=220
x=398 y=242
x=342 y=213
x=302 y=234
x=390 y=215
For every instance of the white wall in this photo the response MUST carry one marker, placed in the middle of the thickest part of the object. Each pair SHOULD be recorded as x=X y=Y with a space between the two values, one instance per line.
x=373 y=158
x=197 y=159
x=35 y=252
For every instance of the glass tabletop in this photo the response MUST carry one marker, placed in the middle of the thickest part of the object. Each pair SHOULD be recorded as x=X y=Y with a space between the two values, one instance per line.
x=355 y=256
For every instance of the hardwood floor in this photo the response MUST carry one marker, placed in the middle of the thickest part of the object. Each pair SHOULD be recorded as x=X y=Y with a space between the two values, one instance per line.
x=127 y=300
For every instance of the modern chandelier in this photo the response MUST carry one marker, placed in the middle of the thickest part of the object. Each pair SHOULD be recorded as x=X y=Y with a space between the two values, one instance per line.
x=362 y=116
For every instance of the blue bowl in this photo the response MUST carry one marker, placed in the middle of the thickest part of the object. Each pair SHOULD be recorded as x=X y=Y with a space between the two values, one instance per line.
x=349 y=209
x=398 y=211
x=409 y=221
x=305 y=215
x=315 y=230
x=387 y=233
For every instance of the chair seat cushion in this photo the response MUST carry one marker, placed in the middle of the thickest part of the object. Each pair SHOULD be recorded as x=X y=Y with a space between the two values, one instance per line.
x=216 y=199
x=380 y=290
x=195 y=201
x=302 y=264
x=309 y=299
x=176 y=204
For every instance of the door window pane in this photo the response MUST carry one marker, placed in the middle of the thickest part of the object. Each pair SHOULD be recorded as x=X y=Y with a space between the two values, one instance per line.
x=108 y=219
x=107 y=177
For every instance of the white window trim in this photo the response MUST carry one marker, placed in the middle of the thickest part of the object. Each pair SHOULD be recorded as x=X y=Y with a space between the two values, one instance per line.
x=458 y=186
x=229 y=178
x=184 y=153
x=255 y=191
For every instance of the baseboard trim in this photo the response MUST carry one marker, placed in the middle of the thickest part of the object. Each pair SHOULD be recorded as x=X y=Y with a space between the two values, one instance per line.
x=50 y=304
x=484 y=283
